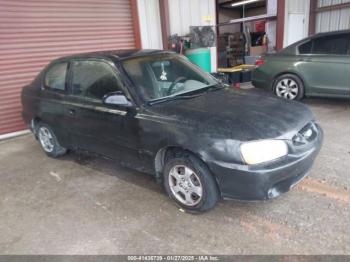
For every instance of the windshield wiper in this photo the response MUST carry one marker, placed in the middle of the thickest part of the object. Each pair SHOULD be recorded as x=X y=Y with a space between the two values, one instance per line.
x=172 y=98
x=214 y=88
x=198 y=92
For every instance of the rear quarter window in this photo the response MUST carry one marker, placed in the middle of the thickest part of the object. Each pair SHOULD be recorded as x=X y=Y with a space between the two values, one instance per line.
x=55 y=77
x=305 y=48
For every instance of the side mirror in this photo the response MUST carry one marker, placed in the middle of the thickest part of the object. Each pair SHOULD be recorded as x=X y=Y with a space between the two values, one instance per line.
x=117 y=98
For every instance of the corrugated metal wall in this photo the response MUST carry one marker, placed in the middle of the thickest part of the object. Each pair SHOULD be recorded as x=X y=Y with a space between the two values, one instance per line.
x=332 y=20
x=33 y=32
x=149 y=16
x=186 y=13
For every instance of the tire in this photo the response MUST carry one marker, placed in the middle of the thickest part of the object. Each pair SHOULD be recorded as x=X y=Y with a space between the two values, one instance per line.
x=48 y=141
x=289 y=86
x=184 y=172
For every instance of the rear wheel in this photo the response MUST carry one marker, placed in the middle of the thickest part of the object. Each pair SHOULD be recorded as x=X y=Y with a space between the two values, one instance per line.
x=289 y=86
x=48 y=141
x=190 y=184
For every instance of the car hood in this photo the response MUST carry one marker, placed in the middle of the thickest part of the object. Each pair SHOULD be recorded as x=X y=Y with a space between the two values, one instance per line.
x=237 y=114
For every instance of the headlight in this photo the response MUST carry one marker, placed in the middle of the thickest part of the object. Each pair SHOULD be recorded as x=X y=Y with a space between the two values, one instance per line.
x=257 y=152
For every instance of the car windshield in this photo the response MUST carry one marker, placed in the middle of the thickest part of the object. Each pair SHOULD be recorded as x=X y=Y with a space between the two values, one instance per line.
x=162 y=76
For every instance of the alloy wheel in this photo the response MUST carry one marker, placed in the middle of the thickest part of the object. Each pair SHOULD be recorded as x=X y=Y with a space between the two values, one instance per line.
x=185 y=185
x=46 y=139
x=287 y=88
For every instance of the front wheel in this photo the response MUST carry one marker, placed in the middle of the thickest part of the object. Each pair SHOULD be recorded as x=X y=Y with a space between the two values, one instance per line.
x=188 y=181
x=289 y=86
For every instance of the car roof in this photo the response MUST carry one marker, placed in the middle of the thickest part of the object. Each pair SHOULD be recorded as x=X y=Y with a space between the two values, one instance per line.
x=340 y=32
x=291 y=49
x=122 y=54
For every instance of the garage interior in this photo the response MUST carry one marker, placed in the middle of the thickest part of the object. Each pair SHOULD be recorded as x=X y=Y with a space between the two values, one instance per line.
x=246 y=31
x=240 y=38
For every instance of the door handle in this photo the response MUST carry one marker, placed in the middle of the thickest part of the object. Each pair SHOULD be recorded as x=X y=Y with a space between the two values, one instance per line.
x=71 y=111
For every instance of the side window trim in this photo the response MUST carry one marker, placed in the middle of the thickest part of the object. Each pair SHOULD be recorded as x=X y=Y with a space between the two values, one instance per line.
x=320 y=38
x=69 y=78
x=311 y=48
x=47 y=70
x=115 y=70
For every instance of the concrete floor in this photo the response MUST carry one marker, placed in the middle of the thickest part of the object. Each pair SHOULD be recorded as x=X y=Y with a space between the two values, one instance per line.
x=86 y=205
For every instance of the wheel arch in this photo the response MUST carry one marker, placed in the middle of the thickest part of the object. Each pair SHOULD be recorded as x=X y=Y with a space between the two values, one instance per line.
x=166 y=151
x=34 y=122
x=161 y=156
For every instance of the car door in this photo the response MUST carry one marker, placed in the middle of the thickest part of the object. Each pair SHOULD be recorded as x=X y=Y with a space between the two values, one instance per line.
x=327 y=64
x=52 y=107
x=104 y=129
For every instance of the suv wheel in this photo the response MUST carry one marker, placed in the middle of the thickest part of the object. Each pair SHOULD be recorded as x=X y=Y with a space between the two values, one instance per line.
x=289 y=86
x=189 y=182
x=48 y=141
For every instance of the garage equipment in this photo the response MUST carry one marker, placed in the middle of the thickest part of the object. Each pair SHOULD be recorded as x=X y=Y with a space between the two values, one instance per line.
x=238 y=74
x=200 y=57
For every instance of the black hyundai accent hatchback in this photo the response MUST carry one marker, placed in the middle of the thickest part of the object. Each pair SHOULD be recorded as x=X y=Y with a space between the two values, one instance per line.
x=156 y=112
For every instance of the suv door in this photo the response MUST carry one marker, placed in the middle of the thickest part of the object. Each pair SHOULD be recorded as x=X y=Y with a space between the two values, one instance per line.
x=105 y=129
x=325 y=64
x=52 y=108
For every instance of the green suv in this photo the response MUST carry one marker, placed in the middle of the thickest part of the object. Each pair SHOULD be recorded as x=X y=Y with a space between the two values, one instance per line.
x=316 y=66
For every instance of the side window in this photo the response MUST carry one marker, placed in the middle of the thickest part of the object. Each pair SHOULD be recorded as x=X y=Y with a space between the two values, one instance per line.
x=334 y=45
x=305 y=48
x=94 y=79
x=55 y=77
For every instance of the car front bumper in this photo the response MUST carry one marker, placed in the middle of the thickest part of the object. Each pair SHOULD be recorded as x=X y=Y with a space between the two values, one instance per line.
x=261 y=182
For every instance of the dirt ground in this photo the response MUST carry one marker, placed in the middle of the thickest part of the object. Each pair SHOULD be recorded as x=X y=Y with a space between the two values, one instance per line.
x=86 y=205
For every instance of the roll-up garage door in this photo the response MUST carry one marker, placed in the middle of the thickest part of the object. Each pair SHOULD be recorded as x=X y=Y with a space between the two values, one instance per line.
x=33 y=32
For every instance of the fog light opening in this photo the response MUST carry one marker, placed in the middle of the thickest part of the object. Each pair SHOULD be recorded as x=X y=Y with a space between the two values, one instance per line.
x=273 y=193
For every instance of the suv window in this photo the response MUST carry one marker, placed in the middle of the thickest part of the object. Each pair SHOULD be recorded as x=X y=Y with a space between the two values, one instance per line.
x=55 y=77
x=94 y=79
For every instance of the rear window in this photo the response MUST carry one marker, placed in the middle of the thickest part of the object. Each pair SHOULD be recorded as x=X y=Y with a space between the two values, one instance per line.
x=55 y=77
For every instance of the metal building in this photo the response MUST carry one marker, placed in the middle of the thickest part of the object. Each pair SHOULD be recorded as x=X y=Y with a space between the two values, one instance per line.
x=33 y=32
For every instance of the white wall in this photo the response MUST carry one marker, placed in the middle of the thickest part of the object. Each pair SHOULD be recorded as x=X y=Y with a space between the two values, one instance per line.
x=150 y=28
x=186 y=13
x=296 y=26
x=271 y=27
x=272 y=7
